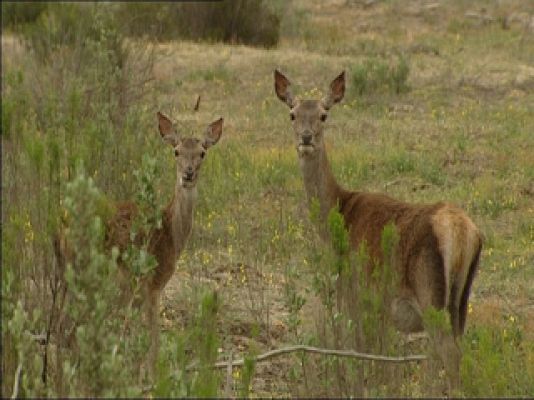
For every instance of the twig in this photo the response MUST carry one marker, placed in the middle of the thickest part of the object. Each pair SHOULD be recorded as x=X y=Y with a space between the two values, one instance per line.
x=311 y=349
x=16 y=383
x=197 y=104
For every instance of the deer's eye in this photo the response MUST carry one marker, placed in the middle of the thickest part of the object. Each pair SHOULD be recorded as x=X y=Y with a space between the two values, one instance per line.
x=202 y=154
x=292 y=116
x=323 y=117
x=176 y=153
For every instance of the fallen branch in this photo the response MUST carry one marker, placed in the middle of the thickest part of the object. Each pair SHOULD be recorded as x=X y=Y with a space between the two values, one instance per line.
x=317 y=350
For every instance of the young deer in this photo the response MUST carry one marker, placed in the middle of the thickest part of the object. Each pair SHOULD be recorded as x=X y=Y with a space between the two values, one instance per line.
x=167 y=242
x=439 y=246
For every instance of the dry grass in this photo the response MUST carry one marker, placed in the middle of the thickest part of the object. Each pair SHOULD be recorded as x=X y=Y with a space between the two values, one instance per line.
x=464 y=123
x=463 y=133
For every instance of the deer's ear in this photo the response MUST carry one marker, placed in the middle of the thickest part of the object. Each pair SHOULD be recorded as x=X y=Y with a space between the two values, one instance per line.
x=282 y=88
x=166 y=130
x=337 y=91
x=213 y=133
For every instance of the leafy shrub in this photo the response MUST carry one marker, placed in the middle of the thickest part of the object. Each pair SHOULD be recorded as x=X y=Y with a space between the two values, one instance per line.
x=97 y=367
x=377 y=75
x=67 y=102
x=242 y=21
x=497 y=363
x=255 y=23
x=79 y=26
x=16 y=13
x=354 y=315
x=177 y=375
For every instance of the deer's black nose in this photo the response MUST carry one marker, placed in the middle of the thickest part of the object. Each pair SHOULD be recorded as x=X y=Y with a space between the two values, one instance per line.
x=188 y=173
x=306 y=139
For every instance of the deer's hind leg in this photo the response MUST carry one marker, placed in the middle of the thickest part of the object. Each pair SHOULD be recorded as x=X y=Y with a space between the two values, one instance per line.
x=433 y=290
x=406 y=313
x=151 y=321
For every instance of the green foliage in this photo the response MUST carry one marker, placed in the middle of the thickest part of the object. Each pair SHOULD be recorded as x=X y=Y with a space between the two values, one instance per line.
x=389 y=240
x=173 y=380
x=495 y=204
x=90 y=278
x=248 y=22
x=247 y=375
x=71 y=25
x=206 y=383
x=356 y=302
x=148 y=217
x=497 y=363
x=436 y=321
x=185 y=362
x=294 y=301
x=338 y=232
x=18 y=345
x=215 y=73
x=16 y=13
x=399 y=76
x=80 y=103
x=376 y=75
x=57 y=115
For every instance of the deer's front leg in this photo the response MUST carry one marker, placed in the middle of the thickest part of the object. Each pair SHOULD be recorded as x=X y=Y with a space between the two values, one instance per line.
x=152 y=319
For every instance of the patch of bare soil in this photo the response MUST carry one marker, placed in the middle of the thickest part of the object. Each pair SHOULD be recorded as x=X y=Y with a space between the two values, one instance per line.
x=252 y=317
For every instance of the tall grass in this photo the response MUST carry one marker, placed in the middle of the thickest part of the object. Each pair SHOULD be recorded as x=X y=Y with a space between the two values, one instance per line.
x=65 y=102
x=255 y=23
x=71 y=102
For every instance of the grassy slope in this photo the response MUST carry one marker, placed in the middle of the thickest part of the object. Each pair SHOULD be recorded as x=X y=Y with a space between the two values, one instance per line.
x=464 y=133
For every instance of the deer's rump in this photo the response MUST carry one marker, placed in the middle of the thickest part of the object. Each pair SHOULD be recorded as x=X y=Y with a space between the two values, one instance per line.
x=437 y=250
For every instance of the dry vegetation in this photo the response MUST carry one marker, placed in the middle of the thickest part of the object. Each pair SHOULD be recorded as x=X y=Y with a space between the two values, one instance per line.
x=461 y=129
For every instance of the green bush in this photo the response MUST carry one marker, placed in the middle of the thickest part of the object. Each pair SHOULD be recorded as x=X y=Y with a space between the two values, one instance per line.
x=354 y=316
x=497 y=363
x=99 y=367
x=377 y=75
x=15 y=13
x=82 y=27
x=68 y=100
x=241 y=21
x=51 y=26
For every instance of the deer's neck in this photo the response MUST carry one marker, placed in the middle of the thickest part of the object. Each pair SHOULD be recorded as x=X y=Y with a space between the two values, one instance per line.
x=320 y=183
x=180 y=216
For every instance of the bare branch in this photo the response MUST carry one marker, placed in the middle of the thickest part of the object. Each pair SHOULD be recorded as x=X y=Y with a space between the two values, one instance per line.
x=317 y=350
x=197 y=104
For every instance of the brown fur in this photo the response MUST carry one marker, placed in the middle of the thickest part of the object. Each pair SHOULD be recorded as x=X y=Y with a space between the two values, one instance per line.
x=160 y=244
x=437 y=253
x=165 y=243
x=438 y=250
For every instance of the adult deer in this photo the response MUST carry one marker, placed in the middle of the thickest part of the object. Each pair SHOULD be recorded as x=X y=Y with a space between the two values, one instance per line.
x=167 y=242
x=439 y=246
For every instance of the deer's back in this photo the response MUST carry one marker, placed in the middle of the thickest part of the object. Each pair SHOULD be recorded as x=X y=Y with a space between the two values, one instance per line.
x=366 y=214
x=436 y=241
